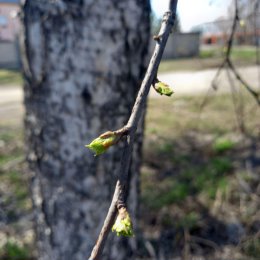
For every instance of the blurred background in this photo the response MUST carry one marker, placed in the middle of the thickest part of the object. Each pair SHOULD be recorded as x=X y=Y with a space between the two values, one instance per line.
x=200 y=170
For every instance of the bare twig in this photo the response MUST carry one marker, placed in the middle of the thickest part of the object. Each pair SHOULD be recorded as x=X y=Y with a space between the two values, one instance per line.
x=227 y=63
x=238 y=105
x=205 y=242
x=118 y=200
x=229 y=46
x=256 y=6
x=243 y=82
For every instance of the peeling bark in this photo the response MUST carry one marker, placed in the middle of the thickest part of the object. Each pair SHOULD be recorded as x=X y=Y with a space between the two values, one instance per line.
x=83 y=63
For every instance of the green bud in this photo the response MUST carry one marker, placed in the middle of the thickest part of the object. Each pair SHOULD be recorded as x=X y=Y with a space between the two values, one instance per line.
x=123 y=225
x=163 y=89
x=103 y=142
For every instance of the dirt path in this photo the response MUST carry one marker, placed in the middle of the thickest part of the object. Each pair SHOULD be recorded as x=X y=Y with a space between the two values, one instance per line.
x=10 y=94
x=198 y=82
x=183 y=83
x=11 y=108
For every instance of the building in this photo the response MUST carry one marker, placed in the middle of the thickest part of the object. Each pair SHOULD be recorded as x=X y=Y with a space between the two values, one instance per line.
x=247 y=30
x=9 y=21
x=182 y=45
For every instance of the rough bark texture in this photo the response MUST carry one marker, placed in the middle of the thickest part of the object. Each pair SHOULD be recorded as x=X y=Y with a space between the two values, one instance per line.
x=83 y=62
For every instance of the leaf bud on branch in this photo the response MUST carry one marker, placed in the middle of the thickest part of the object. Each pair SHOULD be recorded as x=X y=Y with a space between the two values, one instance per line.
x=123 y=224
x=162 y=88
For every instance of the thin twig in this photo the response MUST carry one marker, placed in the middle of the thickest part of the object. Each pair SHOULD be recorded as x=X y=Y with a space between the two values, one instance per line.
x=121 y=185
x=229 y=46
x=234 y=26
x=205 y=242
x=227 y=62
x=238 y=105
x=243 y=82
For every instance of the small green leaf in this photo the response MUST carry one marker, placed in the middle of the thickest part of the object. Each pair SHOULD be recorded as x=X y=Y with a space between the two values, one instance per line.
x=103 y=142
x=123 y=225
x=163 y=89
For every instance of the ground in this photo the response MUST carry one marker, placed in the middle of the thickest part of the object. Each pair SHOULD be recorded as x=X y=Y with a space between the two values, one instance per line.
x=200 y=181
x=200 y=176
x=210 y=57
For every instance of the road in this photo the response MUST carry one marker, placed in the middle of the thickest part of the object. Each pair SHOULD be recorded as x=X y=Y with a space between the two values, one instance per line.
x=183 y=83
x=198 y=82
x=10 y=94
x=11 y=109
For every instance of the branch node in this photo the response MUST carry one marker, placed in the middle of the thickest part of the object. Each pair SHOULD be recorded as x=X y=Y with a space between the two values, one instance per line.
x=157 y=38
x=123 y=131
x=120 y=204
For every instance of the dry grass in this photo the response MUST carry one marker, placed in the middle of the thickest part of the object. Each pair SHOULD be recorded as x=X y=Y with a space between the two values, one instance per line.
x=210 y=58
x=200 y=187
x=10 y=77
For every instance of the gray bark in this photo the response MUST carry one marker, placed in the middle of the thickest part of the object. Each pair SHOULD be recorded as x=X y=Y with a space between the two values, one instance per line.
x=83 y=62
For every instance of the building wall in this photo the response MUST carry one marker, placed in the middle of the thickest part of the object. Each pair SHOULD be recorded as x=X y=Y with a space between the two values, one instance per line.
x=181 y=45
x=9 y=22
x=9 y=55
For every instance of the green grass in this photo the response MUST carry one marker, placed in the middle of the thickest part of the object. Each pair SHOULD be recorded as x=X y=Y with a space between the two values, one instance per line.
x=205 y=54
x=210 y=58
x=13 y=251
x=222 y=145
x=14 y=190
x=192 y=180
x=190 y=220
x=7 y=136
x=194 y=166
x=10 y=77
x=12 y=178
x=11 y=141
x=252 y=247
x=248 y=54
x=6 y=158
x=237 y=53
x=191 y=164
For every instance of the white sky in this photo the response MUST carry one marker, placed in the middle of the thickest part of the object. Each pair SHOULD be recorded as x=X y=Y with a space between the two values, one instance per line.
x=193 y=12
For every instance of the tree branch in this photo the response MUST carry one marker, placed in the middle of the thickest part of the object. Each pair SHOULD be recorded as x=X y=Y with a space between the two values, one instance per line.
x=227 y=63
x=243 y=82
x=237 y=103
x=118 y=200
x=229 y=46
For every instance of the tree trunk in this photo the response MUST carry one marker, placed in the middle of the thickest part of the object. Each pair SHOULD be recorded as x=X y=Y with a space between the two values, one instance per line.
x=83 y=62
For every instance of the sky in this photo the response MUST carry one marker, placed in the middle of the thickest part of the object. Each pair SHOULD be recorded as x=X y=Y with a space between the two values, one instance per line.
x=193 y=12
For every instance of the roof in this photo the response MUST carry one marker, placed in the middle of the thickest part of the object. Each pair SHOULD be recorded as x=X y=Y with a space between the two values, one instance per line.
x=9 y=1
